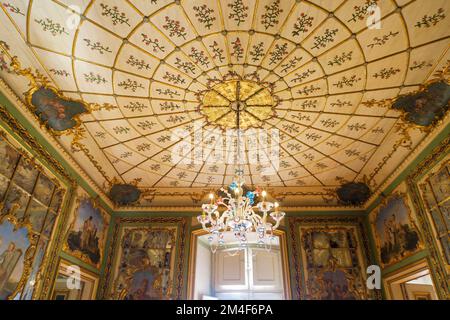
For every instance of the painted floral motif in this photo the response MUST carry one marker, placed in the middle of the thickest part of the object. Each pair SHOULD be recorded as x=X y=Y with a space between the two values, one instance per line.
x=129 y=84
x=299 y=77
x=116 y=16
x=135 y=106
x=238 y=11
x=386 y=73
x=347 y=82
x=238 y=51
x=308 y=90
x=357 y=126
x=327 y=37
x=121 y=130
x=169 y=106
x=309 y=104
x=257 y=51
x=429 y=21
x=94 y=78
x=291 y=64
x=271 y=17
x=143 y=147
x=175 y=119
x=55 y=28
x=185 y=66
x=100 y=135
x=146 y=125
x=278 y=53
x=199 y=57
x=13 y=9
x=313 y=136
x=172 y=78
x=175 y=29
x=60 y=72
x=218 y=52
x=291 y=128
x=329 y=123
x=416 y=65
x=139 y=64
x=156 y=46
x=341 y=104
x=361 y=12
x=97 y=46
x=302 y=24
x=204 y=15
x=377 y=41
x=167 y=92
x=339 y=60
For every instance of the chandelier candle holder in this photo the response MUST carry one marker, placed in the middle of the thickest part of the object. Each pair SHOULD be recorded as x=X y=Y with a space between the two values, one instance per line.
x=239 y=217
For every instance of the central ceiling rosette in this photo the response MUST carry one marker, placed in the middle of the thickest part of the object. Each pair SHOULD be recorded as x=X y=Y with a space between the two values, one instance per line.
x=254 y=102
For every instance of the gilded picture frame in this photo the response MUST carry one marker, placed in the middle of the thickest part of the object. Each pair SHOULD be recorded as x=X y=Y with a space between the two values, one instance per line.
x=374 y=218
x=77 y=252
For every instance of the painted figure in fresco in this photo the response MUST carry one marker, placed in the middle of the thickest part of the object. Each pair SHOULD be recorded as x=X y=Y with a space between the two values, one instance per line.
x=424 y=108
x=52 y=111
x=57 y=113
x=399 y=237
x=88 y=234
x=8 y=261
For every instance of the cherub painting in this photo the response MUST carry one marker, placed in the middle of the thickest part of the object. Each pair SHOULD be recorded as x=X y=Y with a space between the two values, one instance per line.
x=57 y=113
x=425 y=107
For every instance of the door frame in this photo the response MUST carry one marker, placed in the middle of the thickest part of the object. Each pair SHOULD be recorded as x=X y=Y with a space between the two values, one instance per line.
x=193 y=256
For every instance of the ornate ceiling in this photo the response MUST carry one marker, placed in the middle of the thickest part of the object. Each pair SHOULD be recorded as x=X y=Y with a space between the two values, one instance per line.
x=312 y=70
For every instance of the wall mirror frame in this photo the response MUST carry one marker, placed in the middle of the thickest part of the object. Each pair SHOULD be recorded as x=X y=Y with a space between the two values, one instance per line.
x=196 y=233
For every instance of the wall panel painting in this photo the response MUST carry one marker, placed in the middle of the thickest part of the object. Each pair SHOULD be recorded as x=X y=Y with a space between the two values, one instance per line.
x=14 y=245
x=147 y=263
x=87 y=232
x=395 y=232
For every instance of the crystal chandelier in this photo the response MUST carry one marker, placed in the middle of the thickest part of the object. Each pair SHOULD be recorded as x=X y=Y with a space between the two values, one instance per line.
x=233 y=211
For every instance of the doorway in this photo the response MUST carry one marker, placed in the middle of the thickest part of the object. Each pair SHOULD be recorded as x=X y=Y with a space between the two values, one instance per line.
x=249 y=273
x=413 y=283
